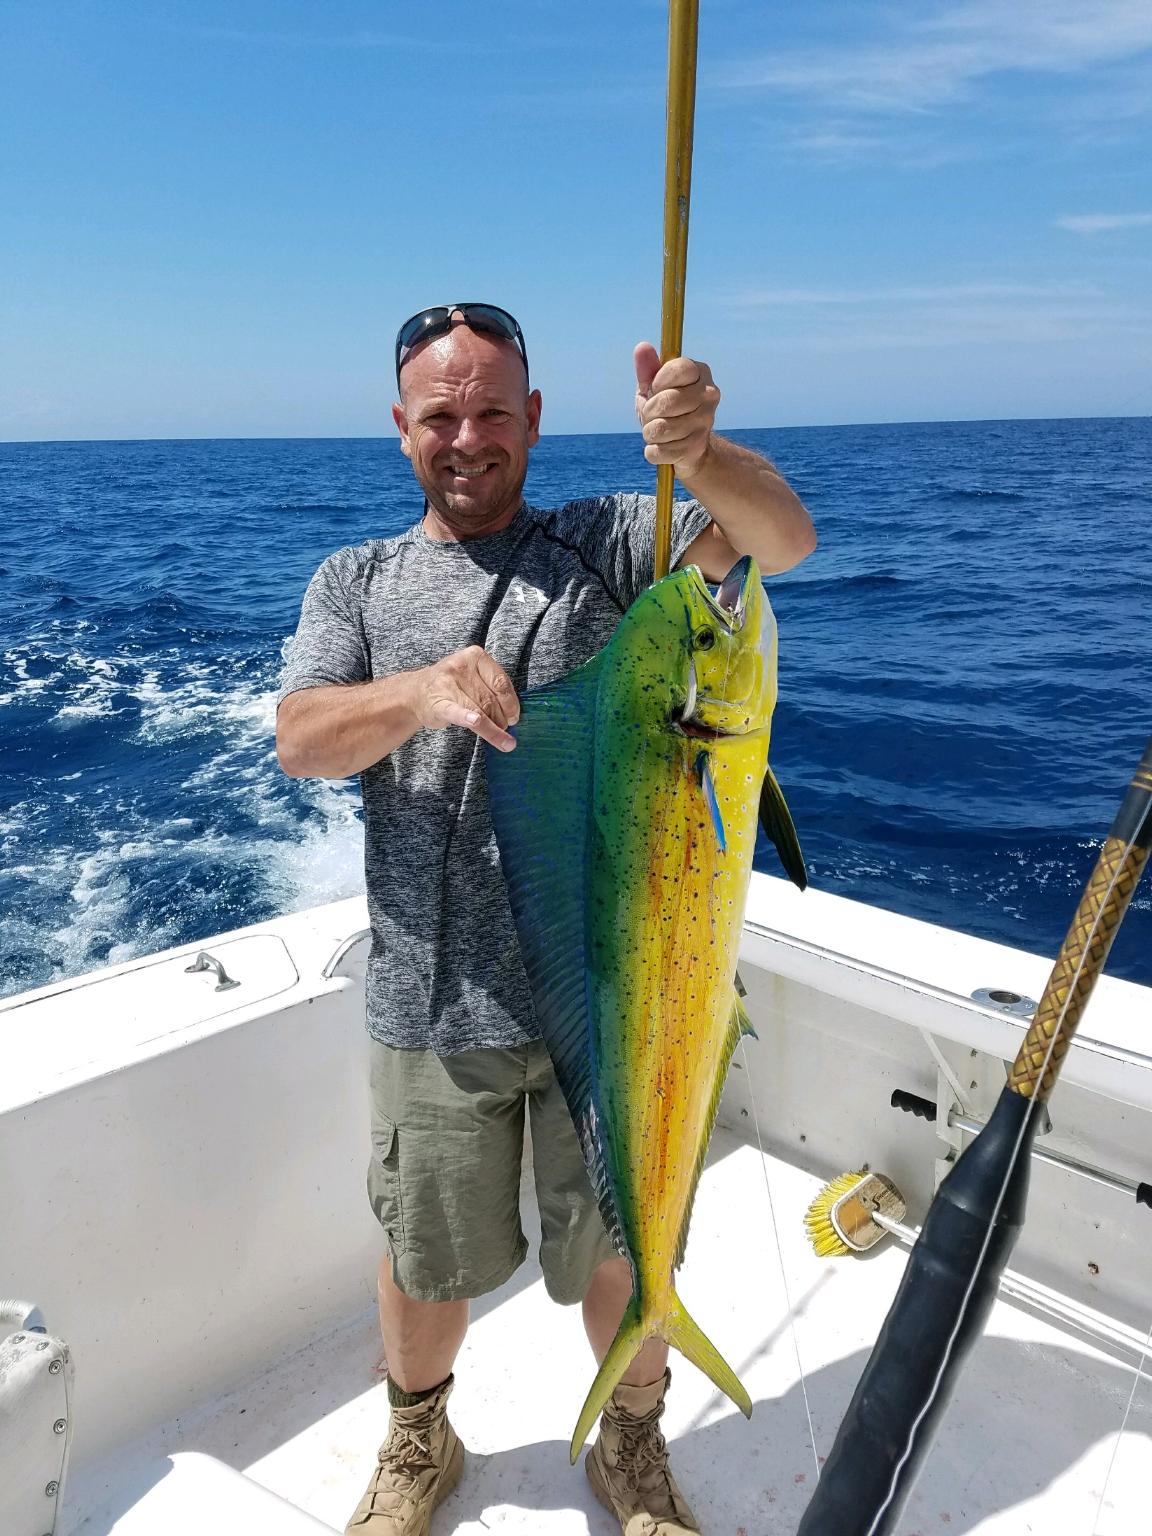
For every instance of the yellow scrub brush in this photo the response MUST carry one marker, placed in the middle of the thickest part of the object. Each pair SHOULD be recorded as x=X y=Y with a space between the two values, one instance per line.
x=852 y=1213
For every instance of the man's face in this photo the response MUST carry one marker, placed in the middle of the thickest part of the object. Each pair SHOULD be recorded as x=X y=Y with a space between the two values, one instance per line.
x=467 y=422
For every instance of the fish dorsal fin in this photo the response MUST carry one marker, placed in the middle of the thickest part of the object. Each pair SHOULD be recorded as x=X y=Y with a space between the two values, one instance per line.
x=776 y=819
x=540 y=797
x=738 y=1024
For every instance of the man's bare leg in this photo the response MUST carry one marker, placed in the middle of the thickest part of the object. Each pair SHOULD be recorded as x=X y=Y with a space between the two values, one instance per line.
x=421 y=1338
x=604 y=1307
x=628 y=1462
x=422 y=1459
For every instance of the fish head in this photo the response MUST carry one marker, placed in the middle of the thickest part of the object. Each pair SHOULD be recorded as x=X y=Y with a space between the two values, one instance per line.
x=729 y=645
x=706 y=663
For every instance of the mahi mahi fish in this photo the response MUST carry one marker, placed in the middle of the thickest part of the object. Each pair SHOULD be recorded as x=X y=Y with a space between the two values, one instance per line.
x=626 y=824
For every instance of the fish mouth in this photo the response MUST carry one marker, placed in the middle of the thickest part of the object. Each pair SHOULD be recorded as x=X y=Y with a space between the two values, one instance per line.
x=697 y=732
x=730 y=603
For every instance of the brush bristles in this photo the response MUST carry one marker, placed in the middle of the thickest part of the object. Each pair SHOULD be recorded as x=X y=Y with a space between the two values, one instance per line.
x=821 y=1233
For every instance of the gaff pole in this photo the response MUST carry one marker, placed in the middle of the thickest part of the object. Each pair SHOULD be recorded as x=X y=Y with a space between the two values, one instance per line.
x=682 y=33
x=952 y=1275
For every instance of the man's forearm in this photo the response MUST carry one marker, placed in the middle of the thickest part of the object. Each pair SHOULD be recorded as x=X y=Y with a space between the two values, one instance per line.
x=338 y=731
x=752 y=505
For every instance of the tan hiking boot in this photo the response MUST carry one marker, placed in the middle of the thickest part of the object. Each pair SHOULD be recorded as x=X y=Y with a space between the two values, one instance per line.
x=417 y=1468
x=628 y=1465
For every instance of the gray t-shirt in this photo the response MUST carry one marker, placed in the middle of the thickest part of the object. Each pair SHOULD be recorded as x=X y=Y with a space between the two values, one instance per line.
x=542 y=596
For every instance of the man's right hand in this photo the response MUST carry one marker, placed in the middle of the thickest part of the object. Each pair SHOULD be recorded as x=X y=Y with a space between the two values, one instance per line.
x=338 y=729
x=470 y=689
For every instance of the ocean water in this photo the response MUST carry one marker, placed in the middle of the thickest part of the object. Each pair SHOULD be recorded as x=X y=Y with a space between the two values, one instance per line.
x=966 y=673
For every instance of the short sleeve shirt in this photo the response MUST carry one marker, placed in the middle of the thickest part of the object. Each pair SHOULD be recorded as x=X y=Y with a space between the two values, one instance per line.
x=541 y=596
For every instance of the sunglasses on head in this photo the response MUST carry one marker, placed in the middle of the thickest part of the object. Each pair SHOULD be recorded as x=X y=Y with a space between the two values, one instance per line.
x=488 y=318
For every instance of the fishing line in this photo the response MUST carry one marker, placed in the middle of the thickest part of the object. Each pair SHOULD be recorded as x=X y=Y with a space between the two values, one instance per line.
x=780 y=1259
x=1120 y=1432
x=1025 y=1126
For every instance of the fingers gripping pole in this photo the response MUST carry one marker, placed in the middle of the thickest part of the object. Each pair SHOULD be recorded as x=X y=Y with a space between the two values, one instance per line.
x=682 y=34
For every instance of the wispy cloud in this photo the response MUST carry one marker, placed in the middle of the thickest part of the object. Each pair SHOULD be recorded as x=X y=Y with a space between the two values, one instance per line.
x=841 y=145
x=939 y=293
x=925 y=63
x=1100 y=223
x=936 y=315
x=270 y=38
x=370 y=38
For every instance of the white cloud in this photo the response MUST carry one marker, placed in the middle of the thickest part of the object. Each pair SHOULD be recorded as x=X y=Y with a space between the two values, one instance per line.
x=989 y=313
x=1098 y=223
x=839 y=144
x=927 y=62
x=365 y=38
x=941 y=293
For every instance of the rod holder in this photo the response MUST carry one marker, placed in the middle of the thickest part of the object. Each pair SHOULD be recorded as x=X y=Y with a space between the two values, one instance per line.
x=925 y=1109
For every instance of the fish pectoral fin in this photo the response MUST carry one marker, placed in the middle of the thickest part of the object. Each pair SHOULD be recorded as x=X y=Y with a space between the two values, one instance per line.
x=708 y=786
x=776 y=819
x=741 y=1023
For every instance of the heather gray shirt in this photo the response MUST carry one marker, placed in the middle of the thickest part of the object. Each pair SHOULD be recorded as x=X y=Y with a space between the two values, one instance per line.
x=542 y=596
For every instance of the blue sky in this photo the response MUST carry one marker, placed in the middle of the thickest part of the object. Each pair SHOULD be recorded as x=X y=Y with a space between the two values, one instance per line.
x=215 y=215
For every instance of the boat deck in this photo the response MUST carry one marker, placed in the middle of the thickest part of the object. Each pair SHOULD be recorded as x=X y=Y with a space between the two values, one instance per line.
x=1025 y=1447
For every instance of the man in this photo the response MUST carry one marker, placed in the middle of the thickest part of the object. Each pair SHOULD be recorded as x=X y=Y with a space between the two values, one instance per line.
x=411 y=652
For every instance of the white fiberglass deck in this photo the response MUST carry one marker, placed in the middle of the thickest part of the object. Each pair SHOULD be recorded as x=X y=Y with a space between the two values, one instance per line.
x=1025 y=1446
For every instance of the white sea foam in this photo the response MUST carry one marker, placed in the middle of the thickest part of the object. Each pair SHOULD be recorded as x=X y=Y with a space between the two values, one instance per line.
x=175 y=696
x=89 y=907
x=204 y=700
x=17 y=661
x=85 y=709
x=286 y=844
x=327 y=863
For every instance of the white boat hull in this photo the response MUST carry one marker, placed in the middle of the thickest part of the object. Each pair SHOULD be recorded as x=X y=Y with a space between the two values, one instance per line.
x=182 y=1194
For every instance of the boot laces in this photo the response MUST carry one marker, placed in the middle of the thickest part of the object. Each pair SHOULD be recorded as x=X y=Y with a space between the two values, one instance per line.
x=642 y=1449
x=405 y=1457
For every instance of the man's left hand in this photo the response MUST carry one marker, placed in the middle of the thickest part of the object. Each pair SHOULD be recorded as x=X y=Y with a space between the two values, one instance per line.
x=676 y=404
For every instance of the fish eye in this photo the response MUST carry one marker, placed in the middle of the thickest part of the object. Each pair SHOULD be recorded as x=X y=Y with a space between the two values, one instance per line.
x=704 y=639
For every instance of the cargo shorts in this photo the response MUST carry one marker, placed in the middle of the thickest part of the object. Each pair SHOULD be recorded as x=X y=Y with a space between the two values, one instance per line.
x=444 y=1179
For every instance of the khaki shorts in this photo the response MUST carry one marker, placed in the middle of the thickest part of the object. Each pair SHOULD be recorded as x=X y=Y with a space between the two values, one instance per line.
x=444 y=1180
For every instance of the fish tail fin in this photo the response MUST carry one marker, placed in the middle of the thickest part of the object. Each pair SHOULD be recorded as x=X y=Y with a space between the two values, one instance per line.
x=686 y=1335
x=627 y=1344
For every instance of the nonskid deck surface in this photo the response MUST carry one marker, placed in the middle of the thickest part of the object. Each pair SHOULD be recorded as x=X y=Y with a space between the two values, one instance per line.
x=1025 y=1447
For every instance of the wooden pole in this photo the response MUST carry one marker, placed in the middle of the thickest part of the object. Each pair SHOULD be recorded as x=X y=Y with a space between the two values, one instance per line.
x=682 y=34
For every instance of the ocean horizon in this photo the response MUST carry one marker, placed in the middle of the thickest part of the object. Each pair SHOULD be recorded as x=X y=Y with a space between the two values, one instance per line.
x=734 y=432
x=966 y=672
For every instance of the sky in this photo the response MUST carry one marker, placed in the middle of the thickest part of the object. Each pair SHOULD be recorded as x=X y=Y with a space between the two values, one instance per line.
x=214 y=216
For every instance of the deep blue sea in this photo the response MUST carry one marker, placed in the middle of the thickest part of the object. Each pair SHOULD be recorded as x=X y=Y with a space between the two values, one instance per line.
x=966 y=673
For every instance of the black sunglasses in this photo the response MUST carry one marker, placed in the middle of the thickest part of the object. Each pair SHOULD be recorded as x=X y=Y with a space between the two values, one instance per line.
x=436 y=321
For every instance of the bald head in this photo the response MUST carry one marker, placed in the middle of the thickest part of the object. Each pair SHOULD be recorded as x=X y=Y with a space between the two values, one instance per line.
x=460 y=348
x=467 y=420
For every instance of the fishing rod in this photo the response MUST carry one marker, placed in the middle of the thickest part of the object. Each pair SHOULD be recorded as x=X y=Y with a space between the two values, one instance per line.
x=951 y=1278
x=682 y=34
